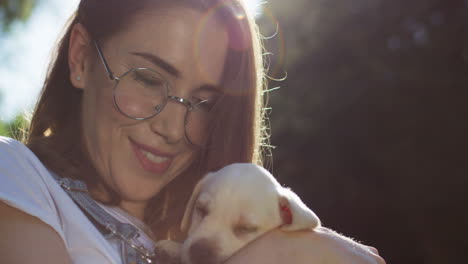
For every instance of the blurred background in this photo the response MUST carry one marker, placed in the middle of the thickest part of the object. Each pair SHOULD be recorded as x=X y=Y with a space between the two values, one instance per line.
x=369 y=125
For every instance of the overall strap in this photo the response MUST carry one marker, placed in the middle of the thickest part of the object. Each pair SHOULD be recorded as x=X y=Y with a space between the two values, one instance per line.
x=110 y=227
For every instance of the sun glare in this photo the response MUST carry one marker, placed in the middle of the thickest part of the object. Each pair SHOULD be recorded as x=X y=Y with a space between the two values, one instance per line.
x=254 y=6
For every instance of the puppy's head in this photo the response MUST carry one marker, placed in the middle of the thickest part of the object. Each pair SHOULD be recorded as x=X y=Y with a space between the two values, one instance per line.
x=235 y=205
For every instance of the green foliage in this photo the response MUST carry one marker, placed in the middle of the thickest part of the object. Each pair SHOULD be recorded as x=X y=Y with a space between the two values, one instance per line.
x=14 y=10
x=3 y=129
x=16 y=129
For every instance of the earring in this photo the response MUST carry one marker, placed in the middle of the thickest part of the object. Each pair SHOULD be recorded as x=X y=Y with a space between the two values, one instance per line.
x=78 y=78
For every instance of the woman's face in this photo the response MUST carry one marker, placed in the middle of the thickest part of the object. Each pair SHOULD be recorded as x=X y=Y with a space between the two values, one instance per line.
x=138 y=158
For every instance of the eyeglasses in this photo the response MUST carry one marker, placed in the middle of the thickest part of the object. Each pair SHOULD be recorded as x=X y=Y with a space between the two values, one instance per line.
x=142 y=93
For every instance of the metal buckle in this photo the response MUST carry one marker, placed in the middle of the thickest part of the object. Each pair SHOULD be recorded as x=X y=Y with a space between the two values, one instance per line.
x=68 y=185
x=145 y=253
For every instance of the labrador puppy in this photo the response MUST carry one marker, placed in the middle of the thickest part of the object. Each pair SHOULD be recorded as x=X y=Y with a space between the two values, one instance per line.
x=230 y=208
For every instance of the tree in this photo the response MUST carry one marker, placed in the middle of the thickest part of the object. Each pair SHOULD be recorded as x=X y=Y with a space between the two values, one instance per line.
x=16 y=128
x=14 y=10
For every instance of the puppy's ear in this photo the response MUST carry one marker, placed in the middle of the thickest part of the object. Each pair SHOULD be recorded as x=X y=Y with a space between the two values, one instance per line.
x=294 y=213
x=185 y=224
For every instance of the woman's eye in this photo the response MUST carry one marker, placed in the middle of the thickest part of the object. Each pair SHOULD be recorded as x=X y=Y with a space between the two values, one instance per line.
x=147 y=80
x=204 y=105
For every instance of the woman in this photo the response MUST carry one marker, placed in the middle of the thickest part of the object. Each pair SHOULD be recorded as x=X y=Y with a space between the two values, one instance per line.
x=143 y=98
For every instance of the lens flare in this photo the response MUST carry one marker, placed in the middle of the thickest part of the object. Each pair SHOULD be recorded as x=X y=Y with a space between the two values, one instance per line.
x=233 y=14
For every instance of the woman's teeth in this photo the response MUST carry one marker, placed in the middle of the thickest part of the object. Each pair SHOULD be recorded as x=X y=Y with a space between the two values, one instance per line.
x=154 y=158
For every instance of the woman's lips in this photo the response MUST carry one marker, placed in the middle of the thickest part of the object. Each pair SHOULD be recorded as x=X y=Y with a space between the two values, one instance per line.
x=151 y=159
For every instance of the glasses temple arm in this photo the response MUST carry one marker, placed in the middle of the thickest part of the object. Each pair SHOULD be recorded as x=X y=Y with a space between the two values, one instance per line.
x=104 y=61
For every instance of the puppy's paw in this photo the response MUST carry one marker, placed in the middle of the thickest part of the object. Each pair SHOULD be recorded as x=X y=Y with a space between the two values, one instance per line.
x=167 y=252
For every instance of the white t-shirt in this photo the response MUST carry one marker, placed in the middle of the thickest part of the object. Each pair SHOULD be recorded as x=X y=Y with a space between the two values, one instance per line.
x=28 y=186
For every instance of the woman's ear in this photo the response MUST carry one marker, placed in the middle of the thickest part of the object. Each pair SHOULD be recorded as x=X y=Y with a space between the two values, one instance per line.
x=78 y=55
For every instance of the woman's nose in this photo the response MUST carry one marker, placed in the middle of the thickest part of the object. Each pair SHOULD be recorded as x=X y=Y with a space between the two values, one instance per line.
x=170 y=122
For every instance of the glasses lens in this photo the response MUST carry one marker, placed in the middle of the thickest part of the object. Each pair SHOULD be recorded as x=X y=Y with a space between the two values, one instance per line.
x=199 y=123
x=141 y=93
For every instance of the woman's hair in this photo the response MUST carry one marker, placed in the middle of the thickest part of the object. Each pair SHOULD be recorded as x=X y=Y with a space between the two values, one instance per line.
x=55 y=133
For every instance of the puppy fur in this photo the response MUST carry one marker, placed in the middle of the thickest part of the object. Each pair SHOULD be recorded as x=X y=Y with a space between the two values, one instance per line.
x=233 y=206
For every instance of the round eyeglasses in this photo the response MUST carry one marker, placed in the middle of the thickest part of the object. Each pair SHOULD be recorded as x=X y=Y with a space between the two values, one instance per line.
x=142 y=93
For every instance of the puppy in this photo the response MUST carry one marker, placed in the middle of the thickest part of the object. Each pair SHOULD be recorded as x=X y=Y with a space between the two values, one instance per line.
x=230 y=208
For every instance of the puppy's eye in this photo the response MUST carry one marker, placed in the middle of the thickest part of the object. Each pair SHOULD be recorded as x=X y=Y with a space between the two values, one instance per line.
x=201 y=210
x=244 y=230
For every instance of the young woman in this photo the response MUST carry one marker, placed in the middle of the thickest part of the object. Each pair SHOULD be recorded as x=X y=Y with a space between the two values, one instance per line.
x=143 y=98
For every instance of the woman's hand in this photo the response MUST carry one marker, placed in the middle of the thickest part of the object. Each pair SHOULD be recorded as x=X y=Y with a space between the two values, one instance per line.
x=306 y=247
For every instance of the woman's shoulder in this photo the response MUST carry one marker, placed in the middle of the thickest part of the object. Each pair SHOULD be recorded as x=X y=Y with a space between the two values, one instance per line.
x=29 y=187
x=9 y=142
x=12 y=147
x=15 y=156
x=25 y=183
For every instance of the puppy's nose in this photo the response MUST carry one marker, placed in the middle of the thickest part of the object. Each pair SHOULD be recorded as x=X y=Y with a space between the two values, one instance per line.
x=204 y=251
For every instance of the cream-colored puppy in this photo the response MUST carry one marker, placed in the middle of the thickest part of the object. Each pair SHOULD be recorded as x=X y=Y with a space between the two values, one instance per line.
x=235 y=205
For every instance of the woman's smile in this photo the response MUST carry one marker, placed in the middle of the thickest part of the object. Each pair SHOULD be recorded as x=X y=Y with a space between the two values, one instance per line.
x=151 y=159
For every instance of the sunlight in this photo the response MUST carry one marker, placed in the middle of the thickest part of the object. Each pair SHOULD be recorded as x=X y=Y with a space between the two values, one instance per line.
x=254 y=6
x=25 y=54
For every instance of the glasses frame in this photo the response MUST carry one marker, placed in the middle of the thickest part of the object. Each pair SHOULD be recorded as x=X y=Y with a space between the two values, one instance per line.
x=176 y=99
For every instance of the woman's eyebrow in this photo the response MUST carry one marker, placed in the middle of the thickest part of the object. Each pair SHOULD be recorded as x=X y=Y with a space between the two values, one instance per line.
x=158 y=62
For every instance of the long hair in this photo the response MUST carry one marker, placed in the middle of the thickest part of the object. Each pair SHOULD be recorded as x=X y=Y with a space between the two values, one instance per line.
x=55 y=133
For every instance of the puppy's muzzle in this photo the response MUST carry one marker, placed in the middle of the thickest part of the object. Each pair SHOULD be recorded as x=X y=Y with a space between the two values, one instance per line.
x=204 y=251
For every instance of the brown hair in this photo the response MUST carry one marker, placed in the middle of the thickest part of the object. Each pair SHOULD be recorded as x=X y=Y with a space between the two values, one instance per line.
x=239 y=131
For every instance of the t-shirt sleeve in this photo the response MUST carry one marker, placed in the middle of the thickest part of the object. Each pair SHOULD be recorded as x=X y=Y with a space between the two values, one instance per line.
x=26 y=184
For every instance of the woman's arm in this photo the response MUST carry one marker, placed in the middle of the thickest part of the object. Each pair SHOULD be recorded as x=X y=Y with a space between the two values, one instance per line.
x=306 y=247
x=25 y=239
